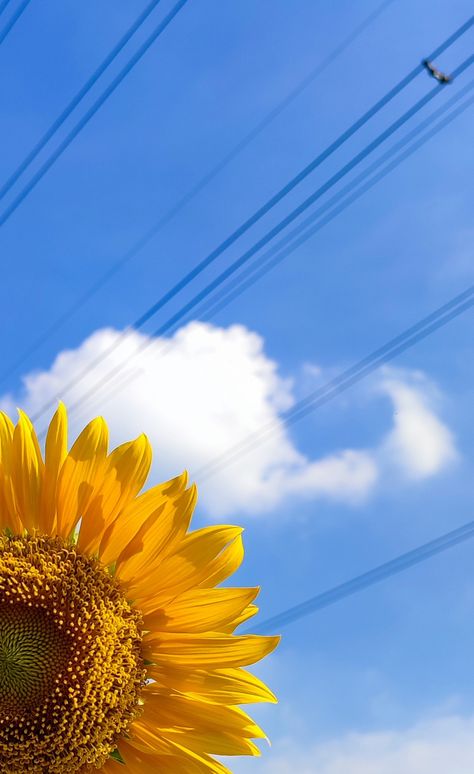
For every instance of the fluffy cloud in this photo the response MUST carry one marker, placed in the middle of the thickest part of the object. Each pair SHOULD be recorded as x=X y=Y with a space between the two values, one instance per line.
x=419 y=443
x=437 y=746
x=206 y=389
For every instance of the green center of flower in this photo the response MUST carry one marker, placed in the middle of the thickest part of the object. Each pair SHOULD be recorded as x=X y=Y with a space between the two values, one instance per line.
x=33 y=652
x=71 y=670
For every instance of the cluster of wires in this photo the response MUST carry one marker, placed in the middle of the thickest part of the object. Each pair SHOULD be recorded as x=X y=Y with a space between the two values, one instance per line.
x=278 y=243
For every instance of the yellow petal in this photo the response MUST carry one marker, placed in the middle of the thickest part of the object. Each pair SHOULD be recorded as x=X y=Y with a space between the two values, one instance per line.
x=245 y=615
x=222 y=686
x=55 y=454
x=81 y=475
x=225 y=564
x=191 y=563
x=201 y=610
x=136 y=761
x=179 y=712
x=213 y=742
x=148 y=523
x=112 y=767
x=139 y=762
x=144 y=738
x=200 y=726
x=9 y=517
x=27 y=472
x=126 y=471
x=200 y=651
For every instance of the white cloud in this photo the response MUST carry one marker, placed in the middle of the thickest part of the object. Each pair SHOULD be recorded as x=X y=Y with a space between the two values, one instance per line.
x=437 y=746
x=419 y=444
x=203 y=391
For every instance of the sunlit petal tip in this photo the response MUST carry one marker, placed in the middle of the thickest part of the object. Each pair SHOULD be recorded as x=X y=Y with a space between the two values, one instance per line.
x=142 y=442
x=94 y=435
x=61 y=412
x=6 y=422
x=275 y=639
x=24 y=420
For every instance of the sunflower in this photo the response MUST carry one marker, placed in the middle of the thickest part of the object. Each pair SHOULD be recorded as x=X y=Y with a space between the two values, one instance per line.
x=117 y=644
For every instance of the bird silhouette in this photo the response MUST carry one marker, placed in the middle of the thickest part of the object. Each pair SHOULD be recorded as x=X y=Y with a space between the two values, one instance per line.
x=435 y=73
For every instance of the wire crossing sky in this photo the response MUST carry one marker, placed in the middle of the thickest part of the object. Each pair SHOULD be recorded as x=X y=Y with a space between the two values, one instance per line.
x=326 y=409
x=3 y=5
x=308 y=169
x=203 y=294
x=65 y=143
x=413 y=335
x=367 y=579
x=355 y=161
x=76 y=100
x=288 y=244
x=382 y=137
x=196 y=189
x=13 y=18
x=437 y=319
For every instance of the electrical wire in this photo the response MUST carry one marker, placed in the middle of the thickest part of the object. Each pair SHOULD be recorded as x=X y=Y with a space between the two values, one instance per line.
x=296 y=180
x=367 y=579
x=449 y=311
x=260 y=243
x=196 y=189
x=3 y=5
x=65 y=143
x=78 y=97
x=375 y=359
x=277 y=253
x=13 y=19
x=286 y=189
x=310 y=200
x=260 y=436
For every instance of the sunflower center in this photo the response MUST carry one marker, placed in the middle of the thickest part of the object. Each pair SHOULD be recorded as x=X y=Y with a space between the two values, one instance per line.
x=71 y=671
x=33 y=652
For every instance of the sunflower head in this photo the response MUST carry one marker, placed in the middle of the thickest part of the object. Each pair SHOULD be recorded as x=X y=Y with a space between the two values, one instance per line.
x=117 y=644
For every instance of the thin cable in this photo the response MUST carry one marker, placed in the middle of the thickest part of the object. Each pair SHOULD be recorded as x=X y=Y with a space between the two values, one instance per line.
x=13 y=19
x=343 y=381
x=207 y=469
x=3 y=5
x=276 y=198
x=78 y=97
x=258 y=245
x=297 y=211
x=388 y=352
x=278 y=252
x=6 y=214
x=367 y=579
x=197 y=188
x=199 y=268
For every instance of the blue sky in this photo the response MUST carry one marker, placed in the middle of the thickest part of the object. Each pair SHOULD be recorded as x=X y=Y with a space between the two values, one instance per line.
x=384 y=467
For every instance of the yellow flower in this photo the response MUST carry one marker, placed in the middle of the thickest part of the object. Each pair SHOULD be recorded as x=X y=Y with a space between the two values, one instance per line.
x=117 y=649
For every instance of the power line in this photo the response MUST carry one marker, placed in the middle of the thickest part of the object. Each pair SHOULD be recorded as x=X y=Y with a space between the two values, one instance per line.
x=257 y=246
x=376 y=359
x=277 y=197
x=287 y=245
x=346 y=379
x=13 y=18
x=367 y=579
x=78 y=97
x=316 y=162
x=198 y=187
x=10 y=209
x=297 y=211
x=3 y=5
x=254 y=439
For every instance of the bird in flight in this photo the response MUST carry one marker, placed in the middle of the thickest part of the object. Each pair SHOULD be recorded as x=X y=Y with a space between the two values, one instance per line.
x=435 y=73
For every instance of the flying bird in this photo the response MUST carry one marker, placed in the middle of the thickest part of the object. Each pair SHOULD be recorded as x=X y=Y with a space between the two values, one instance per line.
x=435 y=73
